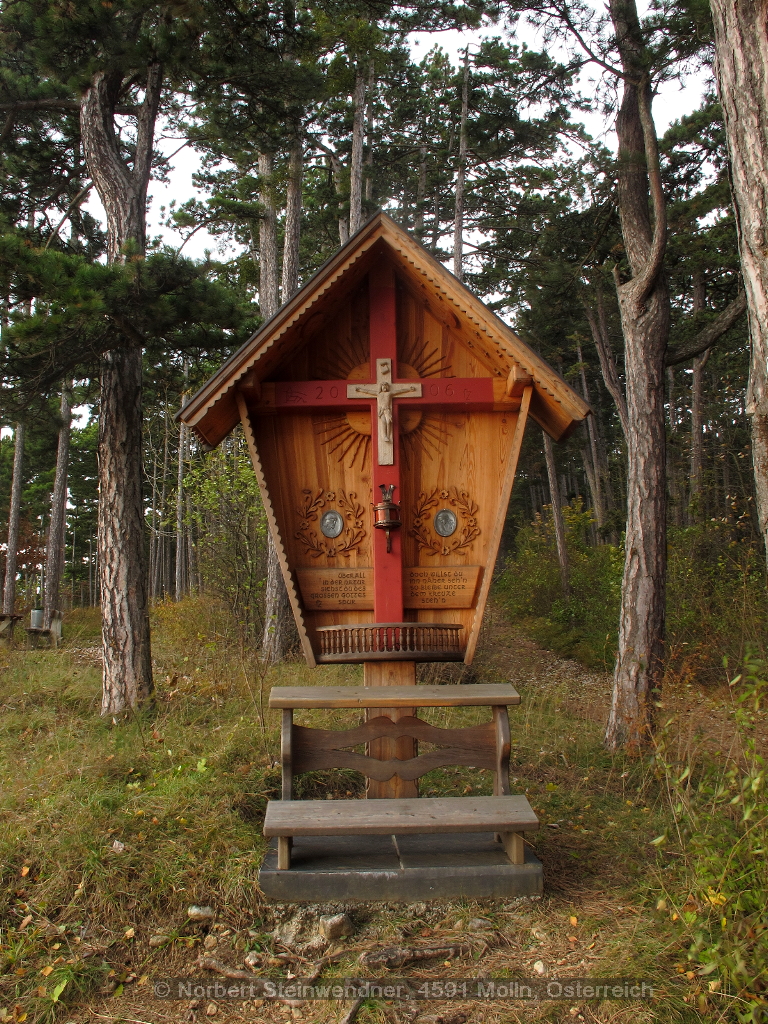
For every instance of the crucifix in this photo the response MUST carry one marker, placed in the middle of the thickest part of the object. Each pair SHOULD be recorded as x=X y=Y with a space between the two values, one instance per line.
x=383 y=396
x=384 y=391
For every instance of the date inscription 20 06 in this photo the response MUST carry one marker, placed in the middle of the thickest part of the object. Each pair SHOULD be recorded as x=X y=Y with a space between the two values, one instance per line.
x=453 y=390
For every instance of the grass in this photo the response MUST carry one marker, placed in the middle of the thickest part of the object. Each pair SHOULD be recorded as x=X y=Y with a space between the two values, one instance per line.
x=109 y=832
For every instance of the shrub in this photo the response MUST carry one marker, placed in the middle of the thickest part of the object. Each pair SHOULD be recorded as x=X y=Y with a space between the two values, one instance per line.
x=721 y=825
x=716 y=597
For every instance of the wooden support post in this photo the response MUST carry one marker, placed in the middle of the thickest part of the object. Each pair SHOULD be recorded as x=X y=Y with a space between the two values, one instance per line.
x=286 y=753
x=514 y=846
x=284 y=853
x=503 y=746
x=391 y=673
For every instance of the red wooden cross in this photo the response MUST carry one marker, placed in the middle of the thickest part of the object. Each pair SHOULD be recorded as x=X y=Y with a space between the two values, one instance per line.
x=383 y=396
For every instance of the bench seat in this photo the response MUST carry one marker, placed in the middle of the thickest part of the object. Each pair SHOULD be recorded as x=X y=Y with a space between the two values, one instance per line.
x=457 y=695
x=508 y=816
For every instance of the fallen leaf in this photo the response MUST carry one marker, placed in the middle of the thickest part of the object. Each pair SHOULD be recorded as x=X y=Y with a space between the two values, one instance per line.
x=130 y=932
x=46 y=971
x=573 y=919
x=25 y=871
x=25 y=922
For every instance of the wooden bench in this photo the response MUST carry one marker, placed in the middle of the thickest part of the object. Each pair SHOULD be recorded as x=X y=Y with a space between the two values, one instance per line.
x=7 y=622
x=51 y=637
x=479 y=746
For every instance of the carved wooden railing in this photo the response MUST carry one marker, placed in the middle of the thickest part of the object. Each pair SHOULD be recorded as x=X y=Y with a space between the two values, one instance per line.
x=390 y=641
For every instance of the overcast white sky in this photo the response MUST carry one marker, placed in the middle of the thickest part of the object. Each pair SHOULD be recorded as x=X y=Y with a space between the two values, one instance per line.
x=670 y=105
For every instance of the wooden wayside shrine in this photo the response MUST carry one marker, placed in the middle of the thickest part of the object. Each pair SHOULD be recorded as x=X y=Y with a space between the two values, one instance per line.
x=384 y=408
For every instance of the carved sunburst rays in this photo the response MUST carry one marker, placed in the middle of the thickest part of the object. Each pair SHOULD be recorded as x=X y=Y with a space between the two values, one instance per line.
x=341 y=438
x=352 y=447
x=428 y=438
x=339 y=363
x=428 y=363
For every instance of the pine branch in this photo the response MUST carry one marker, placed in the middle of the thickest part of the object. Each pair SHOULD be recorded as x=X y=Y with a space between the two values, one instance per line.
x=707 y=337
x=53 y=103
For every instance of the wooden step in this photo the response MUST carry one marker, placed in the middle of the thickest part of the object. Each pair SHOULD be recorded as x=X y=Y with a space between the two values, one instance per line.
x=399 y=817
x=481 y=694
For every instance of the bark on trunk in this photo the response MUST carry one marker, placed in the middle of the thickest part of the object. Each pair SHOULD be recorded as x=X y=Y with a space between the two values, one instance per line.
x=557 y=517
x=458 y=219
x=421 y=191
x=292 y=221
x=127 y=673
x=645 y=316
x=54 y=561
x=278 y=617
x=14 y=514
x=180 y=552
x=741 y=67
x=369 y=134
x=125 y=613
x=158 y=583
x=595 y=478
x=356 y=163
x=697 y=427
x=268 y=295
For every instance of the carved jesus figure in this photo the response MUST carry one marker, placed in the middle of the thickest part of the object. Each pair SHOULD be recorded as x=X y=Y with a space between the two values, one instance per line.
x=385 y=410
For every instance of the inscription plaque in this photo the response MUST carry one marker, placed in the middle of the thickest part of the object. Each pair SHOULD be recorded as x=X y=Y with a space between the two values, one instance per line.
x=435 y=587
x=334 y=589
x=423 y=587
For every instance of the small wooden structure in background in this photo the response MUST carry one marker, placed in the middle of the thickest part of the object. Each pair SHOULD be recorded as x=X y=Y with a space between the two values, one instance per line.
x=384 y=408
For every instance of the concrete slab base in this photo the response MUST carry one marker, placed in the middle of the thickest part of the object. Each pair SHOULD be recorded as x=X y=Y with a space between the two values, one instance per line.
x=398 y=868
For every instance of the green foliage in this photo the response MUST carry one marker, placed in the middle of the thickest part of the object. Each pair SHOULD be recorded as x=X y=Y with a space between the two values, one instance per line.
x=231 y=526
x=583 y=627
x=716 y=599
x=720 y=825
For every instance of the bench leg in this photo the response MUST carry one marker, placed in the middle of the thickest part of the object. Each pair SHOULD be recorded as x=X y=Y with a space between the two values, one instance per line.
x=284 y=852
x=514 y=847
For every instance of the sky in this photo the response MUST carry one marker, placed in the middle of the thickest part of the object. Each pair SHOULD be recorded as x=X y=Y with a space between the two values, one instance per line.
x=672 y=103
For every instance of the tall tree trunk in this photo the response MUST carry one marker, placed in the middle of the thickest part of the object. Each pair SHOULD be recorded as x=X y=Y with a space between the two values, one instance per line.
x=645 y=317
x=158 y=586
x=292 y=221
x=268 y=294
x=697 y=427
x=421 y=192
x=54 y=561
x=557 y=516
x=182 y=565
x=697 y=417
x=356 y=163
x=741 y=66
x=458 y=218
x=14 y=514
x=127 y=672
x=180 y=551
x=369 y=134
x=595 y=481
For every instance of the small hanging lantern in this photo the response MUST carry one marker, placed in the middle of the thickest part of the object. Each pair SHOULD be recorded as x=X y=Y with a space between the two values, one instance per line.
x=386 y=514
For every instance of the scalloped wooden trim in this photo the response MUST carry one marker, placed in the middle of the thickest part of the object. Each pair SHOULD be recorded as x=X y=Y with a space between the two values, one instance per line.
x=498 y=526
x=293 y=597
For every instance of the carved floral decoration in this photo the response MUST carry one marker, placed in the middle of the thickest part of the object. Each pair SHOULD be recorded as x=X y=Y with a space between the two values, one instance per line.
x=423 y=531
x=313 y=502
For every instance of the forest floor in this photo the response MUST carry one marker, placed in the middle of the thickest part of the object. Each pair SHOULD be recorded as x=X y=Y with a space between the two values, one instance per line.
x=109 y=832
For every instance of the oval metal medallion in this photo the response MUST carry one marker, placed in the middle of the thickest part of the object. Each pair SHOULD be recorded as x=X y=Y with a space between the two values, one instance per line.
x=332 y=523
x=445 y=522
